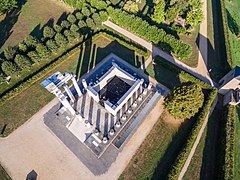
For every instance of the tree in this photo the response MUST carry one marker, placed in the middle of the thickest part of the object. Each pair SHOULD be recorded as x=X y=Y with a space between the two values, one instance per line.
x=71 y=18
x=10 y=68
x=60 y=40
x=34 y=56
x=65 y=24
x=86 y=11
x=30 y=41
x=74 y=28
x=2 y=77
x=7 y=5
x=79 y=15
x=57 y=28
x=23 y=61
x=97 y=19
x=10 y=52
x=52 y=45
x=195 y=17
x=184 y=101
x=131 y=6
x=159 y=12
x=90 y=23
x=22 y=47
x=48 y=32
x=42 y=51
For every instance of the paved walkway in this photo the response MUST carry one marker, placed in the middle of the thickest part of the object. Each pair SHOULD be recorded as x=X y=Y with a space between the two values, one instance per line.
x=34 y=147
x=200 y=72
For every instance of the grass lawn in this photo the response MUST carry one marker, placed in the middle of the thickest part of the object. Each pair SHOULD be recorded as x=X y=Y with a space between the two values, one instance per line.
x=19 y=109
x=29 y=18
x=202 y=165
x=217 y=60
x=233 y=15
x=237 y=147
x=3 y=174
x=163 y=75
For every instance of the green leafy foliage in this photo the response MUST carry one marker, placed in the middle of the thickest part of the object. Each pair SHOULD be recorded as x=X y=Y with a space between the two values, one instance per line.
x=10 y=68
x=90 y=23
x=22 y=47
x=42 y=51
x=74 y=28
x=184 y=101
x=34 y=56
x=60 y=40
x=103 y=15
x=48 y=32
x=65 y=24
x=79 y=15
x=159 y=12
x=57 y=28
x=97 y=19
x=131 y=6
x=7 y=5
x=71 y=18
x=30 y=41
x=52 y=45
x=86 y=11
x=23 y=61
x=10 y=52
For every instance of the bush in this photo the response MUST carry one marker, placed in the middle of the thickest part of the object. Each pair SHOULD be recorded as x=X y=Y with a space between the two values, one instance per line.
x=184 y=101
x=97 y=19
x=34 y=56
x=183 y=155
x=74 y=28
x=22 y=47
x=48 y=32
x=10 y=68
x=65 y=24
x=79 y=15
x=86 y=12
x=57 y=28
x=71 y=18
x=60 y=40
x=52 y=45
x=90 y=23
x=42 y=51
x=103 y=15
x=23 y=61
x=10 y=52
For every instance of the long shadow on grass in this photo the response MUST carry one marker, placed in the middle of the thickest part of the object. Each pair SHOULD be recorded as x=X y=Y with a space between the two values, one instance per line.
x=7 y=24
x=165 y=163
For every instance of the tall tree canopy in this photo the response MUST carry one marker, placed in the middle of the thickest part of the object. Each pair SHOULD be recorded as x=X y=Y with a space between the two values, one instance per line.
x=159 y=12
x=7 y=5
x=184 y=101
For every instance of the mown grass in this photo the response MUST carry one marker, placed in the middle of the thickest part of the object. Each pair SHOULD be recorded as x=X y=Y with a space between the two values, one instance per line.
x=33 y=15
x=234 y=20
x=3 y=174
x=19 y=109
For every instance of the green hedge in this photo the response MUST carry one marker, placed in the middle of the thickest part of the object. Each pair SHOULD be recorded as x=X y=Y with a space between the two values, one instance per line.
x=226 y=33
x=44 y=70
x=183 y=155
x=182 y=74
x=229 y=143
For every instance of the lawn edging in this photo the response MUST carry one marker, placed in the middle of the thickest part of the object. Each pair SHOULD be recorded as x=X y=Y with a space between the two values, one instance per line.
x=226 y=33
x=183 y=155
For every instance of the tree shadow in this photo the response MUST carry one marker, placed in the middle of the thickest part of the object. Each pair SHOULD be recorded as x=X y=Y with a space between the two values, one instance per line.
x=232 y=24
x=9 y=21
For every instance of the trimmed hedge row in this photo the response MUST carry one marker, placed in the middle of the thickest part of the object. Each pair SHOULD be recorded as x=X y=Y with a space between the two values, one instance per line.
x=229 y=143
x=183 y=155
x=182 y=74
x=44 y=70
x=226 y=33
x=150 y=32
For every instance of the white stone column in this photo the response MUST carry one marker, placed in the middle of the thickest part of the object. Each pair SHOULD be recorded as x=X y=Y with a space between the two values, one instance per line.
x=76 y=86
x=63 y=99
x=69 y=93
x=84 y=84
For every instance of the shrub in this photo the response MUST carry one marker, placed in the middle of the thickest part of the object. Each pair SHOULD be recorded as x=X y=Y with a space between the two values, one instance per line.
x=65 y=24
x=23 y=61
x=22 y=47
x=42 y=51
x=79 y=15
x=103 y=15
x=57 y=28
x=34 y=56
x=74 y=28
x=60 y=40
x=71 y=18
x=10 y=52
x=184 y=101
x=85 y=11
x=52 y=45
x=10 y=68
x=48 y=32
x=90 y=23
